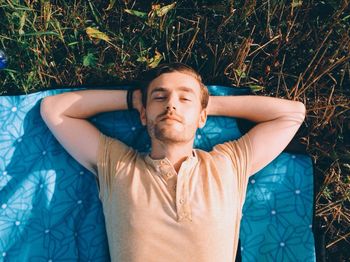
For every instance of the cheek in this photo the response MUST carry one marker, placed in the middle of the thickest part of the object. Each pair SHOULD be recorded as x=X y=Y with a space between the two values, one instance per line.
x=153 y=108
x=192 y=118
x=151 y=114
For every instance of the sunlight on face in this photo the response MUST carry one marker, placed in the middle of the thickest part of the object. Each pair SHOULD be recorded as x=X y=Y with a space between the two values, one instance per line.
x=173 y=112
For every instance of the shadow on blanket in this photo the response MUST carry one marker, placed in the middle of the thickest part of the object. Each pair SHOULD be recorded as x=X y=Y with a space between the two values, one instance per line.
x=50 y=206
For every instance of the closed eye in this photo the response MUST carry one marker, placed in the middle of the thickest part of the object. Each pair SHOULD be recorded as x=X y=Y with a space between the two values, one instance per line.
x=159 y=98
x=185 y=99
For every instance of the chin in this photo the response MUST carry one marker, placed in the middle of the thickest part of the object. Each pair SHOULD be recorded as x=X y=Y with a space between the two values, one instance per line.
x=170 y=133
x=173 y=136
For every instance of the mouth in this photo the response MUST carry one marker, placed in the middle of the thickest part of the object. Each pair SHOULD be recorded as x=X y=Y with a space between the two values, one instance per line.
x=169 y=118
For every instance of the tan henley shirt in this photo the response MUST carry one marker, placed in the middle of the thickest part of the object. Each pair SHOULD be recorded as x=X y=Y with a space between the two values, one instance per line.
x=154 y=214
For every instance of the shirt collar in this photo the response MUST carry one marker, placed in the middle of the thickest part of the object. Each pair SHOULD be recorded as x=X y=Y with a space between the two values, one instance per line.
x=163 y=166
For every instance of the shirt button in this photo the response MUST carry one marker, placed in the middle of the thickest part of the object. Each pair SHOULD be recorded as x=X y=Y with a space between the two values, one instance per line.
x=182 y=215
x=181 y=201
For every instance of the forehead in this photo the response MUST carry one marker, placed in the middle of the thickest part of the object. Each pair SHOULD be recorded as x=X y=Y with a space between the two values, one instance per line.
x=178 y=81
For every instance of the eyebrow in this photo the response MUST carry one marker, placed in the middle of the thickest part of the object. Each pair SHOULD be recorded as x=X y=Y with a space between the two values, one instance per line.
x=163 y=89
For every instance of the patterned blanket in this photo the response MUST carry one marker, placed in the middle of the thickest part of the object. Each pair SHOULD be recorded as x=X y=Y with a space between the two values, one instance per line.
x=49 y=205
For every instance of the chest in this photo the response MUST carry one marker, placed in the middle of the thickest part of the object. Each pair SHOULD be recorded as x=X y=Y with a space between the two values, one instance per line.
x=200 y=195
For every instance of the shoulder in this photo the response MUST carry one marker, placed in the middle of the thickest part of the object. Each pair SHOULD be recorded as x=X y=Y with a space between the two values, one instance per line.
x=111 y=151
x=238 y=151
x=211 y=158
x=110 y=143
x=237 y=146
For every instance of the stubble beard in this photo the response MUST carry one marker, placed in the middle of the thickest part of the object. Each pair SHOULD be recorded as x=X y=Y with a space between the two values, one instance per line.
x=168 y=135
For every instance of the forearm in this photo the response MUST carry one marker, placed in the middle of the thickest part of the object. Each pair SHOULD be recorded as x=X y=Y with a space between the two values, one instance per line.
x=86 y=103
x=255 y=108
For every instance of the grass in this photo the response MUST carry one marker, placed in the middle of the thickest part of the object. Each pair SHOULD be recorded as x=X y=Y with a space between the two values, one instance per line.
x=299 y=50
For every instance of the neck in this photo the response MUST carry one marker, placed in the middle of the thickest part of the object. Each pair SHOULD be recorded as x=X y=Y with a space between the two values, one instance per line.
x=176 y=152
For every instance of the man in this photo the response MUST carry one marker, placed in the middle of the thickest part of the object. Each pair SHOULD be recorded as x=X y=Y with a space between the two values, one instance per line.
x=174 y=203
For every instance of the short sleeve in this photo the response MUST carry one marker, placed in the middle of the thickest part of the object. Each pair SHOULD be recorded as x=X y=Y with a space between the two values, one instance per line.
x=240 y=153
x=111 y=154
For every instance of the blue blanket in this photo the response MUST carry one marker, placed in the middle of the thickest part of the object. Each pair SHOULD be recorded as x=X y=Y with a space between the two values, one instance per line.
x=49 y=205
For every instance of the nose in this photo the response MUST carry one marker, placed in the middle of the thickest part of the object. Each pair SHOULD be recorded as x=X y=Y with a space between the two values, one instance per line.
x=170 y=108
x=171 y=103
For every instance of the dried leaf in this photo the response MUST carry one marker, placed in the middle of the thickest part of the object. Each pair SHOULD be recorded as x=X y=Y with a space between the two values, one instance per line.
x=153 y=62
x=142 y=15
x=164 y=10
x=22 y=22
x=256 y=87
x=297 y=3
x=111 y=5
x=240 y=73
x=155 y=7
x=142 y=59
x=94 y=33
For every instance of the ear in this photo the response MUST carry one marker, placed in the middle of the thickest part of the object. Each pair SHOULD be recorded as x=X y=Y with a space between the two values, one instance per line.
x=143 y=116
x=202 y=118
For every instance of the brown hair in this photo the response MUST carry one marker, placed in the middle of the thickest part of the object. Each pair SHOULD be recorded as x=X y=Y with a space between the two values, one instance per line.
x=149 y=75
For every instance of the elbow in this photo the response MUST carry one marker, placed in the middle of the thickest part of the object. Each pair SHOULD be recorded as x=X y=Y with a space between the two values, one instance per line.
x=296 y=113
x=300 y=112
x=44 y=108
x=302 y=109
x=47 y=109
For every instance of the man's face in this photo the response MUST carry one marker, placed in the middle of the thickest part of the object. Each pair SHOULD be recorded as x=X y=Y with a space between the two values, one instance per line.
x=173 y=111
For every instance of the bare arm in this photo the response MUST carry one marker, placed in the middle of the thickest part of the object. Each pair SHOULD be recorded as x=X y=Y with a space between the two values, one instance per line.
x=277 y=120
x=66 y=116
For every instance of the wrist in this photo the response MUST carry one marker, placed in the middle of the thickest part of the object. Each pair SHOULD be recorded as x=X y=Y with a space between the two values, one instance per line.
x=129 y=99
x=211 y=105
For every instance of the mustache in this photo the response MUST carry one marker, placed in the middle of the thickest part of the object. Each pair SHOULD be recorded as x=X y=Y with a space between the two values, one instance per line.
x=169 y=114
